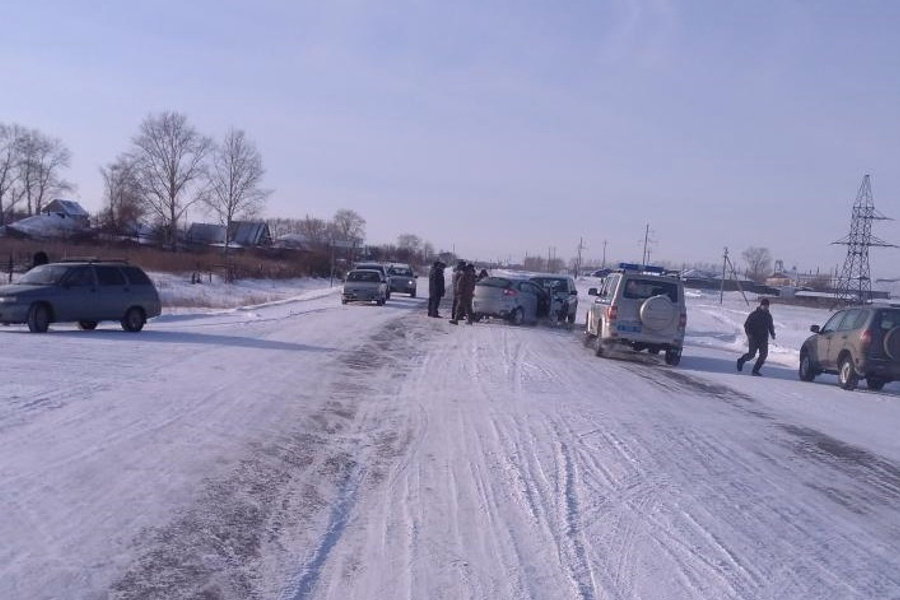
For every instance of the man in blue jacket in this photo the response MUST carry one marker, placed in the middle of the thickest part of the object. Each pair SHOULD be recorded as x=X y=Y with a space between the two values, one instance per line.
x=758 y=327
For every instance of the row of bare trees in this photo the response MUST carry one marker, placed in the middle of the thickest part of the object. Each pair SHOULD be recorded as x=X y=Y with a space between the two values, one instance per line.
x=171 y=166
x=31 y=166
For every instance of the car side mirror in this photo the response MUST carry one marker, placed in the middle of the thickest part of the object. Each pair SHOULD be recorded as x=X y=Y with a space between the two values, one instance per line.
x=573 y=293
x=814 y=328
x=592 y=291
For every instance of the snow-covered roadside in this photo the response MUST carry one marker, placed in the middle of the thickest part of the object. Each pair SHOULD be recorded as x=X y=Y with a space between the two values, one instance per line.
x=302 y=449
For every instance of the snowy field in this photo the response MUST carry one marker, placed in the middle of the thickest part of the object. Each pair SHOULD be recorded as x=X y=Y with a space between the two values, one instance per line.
x=263 y=441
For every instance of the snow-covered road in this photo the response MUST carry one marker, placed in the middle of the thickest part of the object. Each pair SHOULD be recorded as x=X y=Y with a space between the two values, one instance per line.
x=304 y=449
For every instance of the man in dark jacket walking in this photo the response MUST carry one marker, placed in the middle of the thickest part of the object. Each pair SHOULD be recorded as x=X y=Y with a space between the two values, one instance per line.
x=435 y=287
x=758 y=328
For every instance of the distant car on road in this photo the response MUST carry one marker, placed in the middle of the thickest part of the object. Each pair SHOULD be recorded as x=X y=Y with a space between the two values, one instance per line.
x=859 y=342
x=403 y=279
x=83 y=291
x=563 y=296
x=382 y=268
x=364 y=285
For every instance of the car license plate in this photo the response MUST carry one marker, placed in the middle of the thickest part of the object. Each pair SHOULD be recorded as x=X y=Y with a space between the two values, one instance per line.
x=630 y=327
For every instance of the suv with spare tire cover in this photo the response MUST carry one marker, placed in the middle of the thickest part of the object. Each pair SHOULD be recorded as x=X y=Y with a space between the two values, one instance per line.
x=638 y=307
x=858 y=342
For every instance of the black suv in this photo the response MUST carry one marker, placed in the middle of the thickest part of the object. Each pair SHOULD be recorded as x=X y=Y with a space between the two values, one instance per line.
x=81 y=291
x=858 y=342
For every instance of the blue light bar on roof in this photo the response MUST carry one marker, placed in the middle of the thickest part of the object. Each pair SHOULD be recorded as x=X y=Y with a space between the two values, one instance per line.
x=642 y=268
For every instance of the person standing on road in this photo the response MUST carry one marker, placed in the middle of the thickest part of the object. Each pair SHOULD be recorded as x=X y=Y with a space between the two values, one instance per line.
x=435 y=288
x=758 y=327
x=465 y=291
x=457 y=273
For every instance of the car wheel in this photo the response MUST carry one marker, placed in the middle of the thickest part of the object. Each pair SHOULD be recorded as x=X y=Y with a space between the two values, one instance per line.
x=380 y=302
x=599 y=350
x=847 y=377
x=806 y=371
x=38 y=318
x=571 y=319
x=518 y=316
x=134 y=319
x=343 y=301
x=87 y=325
x=673 y=357
x=874 y=383
x=412 y=294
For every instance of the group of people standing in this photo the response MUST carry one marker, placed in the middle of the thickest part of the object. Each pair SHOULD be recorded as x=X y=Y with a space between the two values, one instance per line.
x=464 y=280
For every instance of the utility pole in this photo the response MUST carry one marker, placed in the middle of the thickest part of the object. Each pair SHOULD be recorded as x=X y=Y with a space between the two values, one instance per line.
x=604 y=255
x=581 y=247
x=647 y=242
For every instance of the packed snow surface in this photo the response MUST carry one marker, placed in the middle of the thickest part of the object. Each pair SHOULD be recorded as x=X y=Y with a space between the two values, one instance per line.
x=284 y=446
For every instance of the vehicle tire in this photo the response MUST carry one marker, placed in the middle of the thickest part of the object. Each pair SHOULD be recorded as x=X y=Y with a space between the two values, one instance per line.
x=892 y=343
x=599 y=350
x=588 y=339
x=847 y=377
x=673 y=357
x=518 y=316
x=38 y=318
x=806 y=371
x=343 y=301
x=570 y=319
x=874 y=383
x=380 y=302
x=133 y=320
x=87 y=325
x=657 y=312
x=412 y=294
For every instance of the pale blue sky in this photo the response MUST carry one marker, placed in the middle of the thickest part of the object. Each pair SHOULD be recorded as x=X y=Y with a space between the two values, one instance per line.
x=500 y=128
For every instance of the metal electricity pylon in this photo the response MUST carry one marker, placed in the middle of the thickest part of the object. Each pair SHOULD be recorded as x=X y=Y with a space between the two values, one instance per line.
x=854 y=284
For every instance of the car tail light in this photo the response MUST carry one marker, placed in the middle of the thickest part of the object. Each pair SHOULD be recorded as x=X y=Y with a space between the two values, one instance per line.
x=612 y=312
x=508 y=292
x=865 y=339
x=682 y=321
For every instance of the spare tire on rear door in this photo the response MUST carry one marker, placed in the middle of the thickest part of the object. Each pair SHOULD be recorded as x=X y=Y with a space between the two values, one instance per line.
x=892 y=343
x=657 y=312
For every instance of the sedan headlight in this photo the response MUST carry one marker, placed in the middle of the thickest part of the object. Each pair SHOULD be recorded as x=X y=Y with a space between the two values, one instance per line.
x=8 y=299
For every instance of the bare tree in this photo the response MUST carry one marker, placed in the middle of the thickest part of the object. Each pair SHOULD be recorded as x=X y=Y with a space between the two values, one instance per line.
x=316 y=230
x=234 y=181
x=409 y=242
x=123 y=194
x=9 y=158
x=170 y=158
x=759 y=263
x=349 y=226
x=40 y=160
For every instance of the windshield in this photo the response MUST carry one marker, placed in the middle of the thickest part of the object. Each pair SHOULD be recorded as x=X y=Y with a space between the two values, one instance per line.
x=402 y=271
x=44 y=275
x=371 y=276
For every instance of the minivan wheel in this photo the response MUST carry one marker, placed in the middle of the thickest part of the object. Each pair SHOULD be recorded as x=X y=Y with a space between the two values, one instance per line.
x=38 y=318
x=806 y=371
x=874 y=383
x=847 y=377
x=518 y=316
x=87 y=325
x=133 y=320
